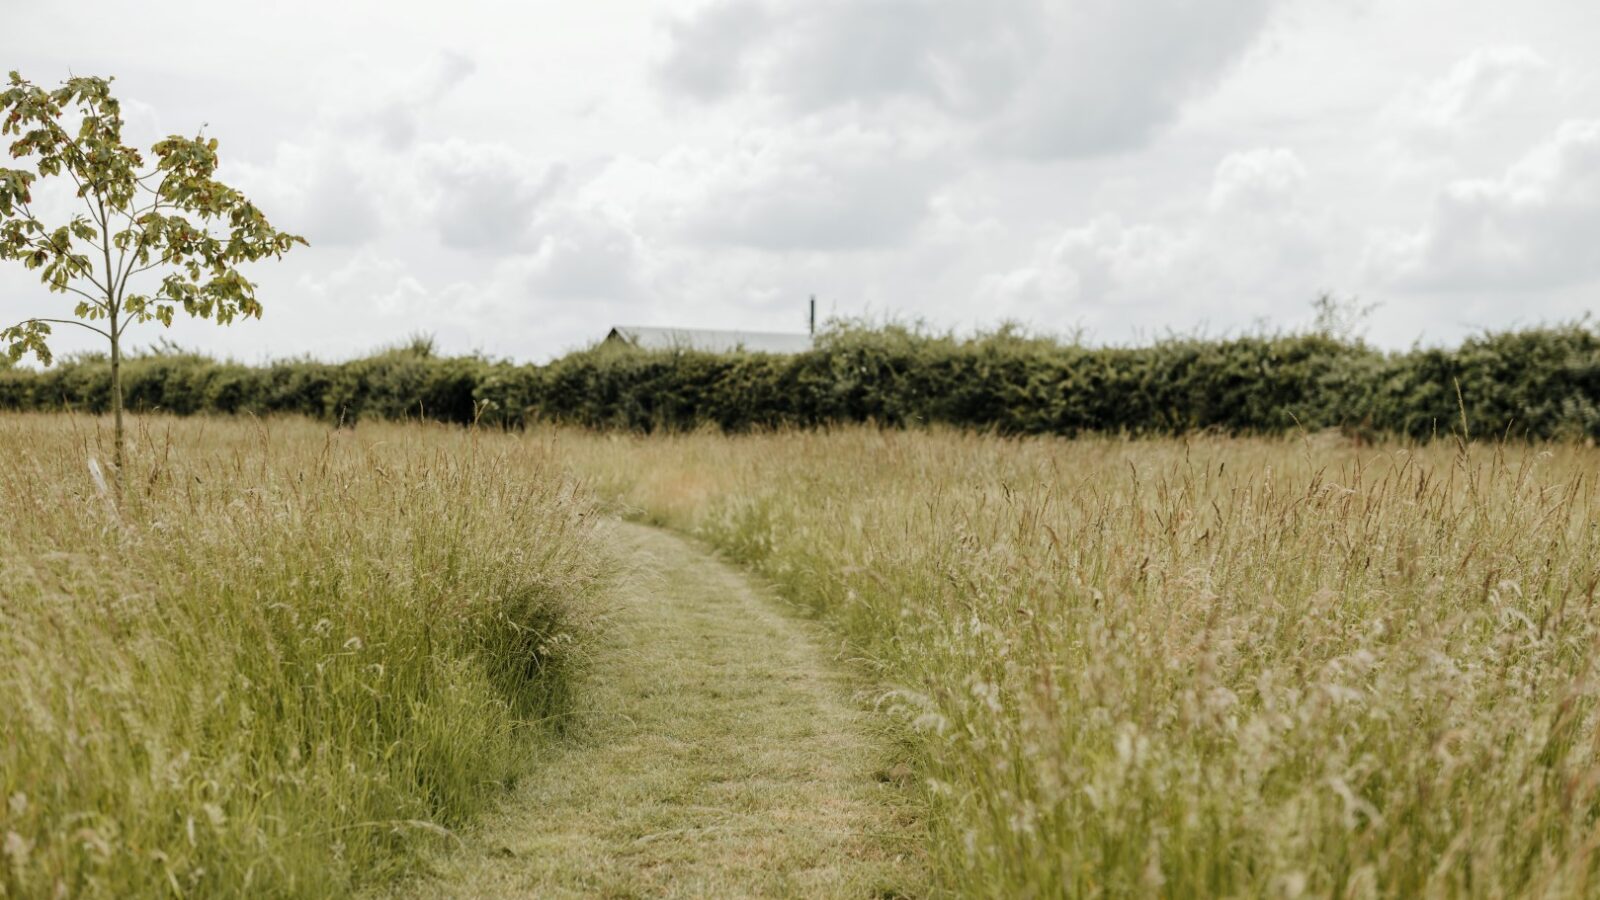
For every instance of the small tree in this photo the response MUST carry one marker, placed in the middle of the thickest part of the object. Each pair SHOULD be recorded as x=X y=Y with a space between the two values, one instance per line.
x=1343 y=320
x=171 y=223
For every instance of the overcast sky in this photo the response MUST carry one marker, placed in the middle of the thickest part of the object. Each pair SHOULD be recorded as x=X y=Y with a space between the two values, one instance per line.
x=514 y=178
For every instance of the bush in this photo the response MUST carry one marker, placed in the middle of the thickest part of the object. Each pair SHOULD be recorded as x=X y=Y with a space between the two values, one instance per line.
x=1537 y=384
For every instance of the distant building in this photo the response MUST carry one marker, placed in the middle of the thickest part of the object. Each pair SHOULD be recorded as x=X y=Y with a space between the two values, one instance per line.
x=706 y=340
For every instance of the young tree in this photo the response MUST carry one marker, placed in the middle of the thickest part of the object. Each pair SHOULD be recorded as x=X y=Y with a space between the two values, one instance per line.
x=171 y=223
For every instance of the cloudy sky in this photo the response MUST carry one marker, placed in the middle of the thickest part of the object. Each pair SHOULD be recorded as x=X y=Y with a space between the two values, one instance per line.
x=514 y=178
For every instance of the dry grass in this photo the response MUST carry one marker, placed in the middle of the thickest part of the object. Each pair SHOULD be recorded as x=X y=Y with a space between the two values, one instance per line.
x=717 y=751
x=1196 y=668
x=292 y=657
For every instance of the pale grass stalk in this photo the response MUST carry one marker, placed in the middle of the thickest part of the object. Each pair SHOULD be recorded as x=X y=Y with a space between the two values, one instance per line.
x=289 y=658
x=1199 y=667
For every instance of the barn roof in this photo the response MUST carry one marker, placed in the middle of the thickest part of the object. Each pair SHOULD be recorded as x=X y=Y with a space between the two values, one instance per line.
x=709 y=340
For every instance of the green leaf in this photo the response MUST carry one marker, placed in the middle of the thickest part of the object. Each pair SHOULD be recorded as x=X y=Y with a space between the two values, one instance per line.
x=185 y=230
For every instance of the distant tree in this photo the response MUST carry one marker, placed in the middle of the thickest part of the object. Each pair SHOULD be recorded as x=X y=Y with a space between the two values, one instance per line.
x=1341 y=319
x=171 y=223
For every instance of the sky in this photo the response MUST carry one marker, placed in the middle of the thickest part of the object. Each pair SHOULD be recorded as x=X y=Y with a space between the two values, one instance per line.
x=515 y=178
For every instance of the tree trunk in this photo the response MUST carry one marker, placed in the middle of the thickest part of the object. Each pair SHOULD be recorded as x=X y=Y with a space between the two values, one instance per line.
x=116 y=406
x=114 y=332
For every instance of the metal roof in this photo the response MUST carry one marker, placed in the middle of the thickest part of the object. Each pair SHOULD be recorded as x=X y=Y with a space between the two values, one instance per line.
x=709 y=340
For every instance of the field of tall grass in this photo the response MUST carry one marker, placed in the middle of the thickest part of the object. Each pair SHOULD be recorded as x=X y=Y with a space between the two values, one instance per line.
x=290 y=656
x=1204 y=667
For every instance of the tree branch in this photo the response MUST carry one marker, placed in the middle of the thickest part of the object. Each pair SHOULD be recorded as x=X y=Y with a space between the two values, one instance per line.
x=114 y=277
x=50 y=248
x=120 y=280
x=105 y=235
x=154 y=190
x=155 y=265
x=98 y=331
x=69 y=143
x=87 y=296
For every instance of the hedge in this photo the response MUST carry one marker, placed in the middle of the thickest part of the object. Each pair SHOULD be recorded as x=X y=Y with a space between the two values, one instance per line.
x=1539 y=383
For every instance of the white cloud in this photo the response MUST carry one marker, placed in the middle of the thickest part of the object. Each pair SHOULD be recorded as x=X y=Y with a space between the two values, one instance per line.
x=1264 y=179
x=720 y=31
x=1488 y=81
x=1479 y=113
x=1159 y=55
x=393 y=108
x=337 y=207
x=586 y=255
x=341 y=180
x=1241 y=254
x=328 y=190
x=483 y=196
x=786 y=190
x=1537 y=225
x=1089 y=268
x=1059 y=161
x=834 y=52
x=1040 y=78
x=382 y=284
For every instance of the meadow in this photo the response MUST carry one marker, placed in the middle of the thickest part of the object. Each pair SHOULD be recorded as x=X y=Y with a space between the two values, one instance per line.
x=1192 y=667
x=287 y=659
x=302 y=660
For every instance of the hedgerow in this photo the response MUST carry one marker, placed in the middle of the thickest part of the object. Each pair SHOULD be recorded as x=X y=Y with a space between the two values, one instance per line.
x=1537 y=383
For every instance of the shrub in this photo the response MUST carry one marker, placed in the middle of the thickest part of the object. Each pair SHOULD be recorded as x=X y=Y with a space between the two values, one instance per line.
x=1538 y=383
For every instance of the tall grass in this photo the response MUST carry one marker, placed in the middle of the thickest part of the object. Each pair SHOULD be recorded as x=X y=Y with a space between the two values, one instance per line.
x=293 y=654
x=1207 y=667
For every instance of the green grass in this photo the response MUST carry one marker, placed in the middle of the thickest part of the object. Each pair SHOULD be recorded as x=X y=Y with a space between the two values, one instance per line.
x=717 y=751
x=1194 y=668
x=296 y=658
x=293 y=658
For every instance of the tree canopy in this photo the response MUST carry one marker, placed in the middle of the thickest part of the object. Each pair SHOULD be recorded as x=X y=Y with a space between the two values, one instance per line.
x=170 y=215
x=166 y=218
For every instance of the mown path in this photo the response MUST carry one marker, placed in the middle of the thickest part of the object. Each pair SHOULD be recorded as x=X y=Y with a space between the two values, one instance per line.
x=718 y=752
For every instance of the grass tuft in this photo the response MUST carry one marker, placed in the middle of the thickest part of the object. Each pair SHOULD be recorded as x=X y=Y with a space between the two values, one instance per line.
x=292 y=657
x=1205 y=667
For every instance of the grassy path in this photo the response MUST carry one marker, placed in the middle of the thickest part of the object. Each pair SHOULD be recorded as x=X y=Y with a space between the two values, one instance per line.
x=718 y=753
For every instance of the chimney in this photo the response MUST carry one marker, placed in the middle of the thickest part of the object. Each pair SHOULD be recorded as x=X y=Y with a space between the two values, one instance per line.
x=813 y=315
